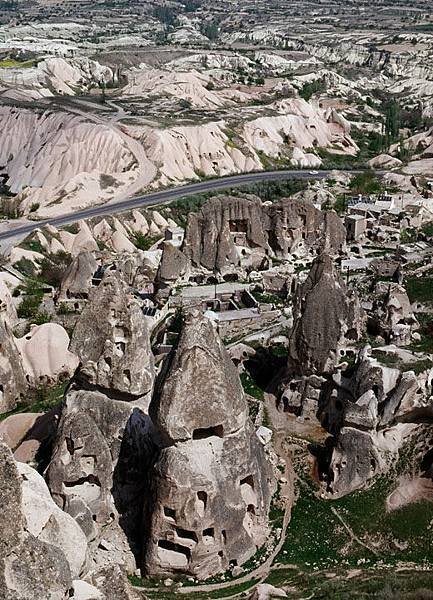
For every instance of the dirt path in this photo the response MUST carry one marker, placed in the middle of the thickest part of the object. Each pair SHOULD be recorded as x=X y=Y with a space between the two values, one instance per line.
x=352 y=535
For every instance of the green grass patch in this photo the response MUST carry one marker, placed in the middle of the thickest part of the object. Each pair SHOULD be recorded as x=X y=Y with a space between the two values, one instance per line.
x=143 y=242
x=419 y=289
x=377 y=584
x=162 y=592
x=316 y=539
x=10 y=63
x=40 y=400
x=250 y=386
x=366 y=184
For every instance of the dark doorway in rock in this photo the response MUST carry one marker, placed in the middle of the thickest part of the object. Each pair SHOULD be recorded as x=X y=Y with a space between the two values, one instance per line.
x=206 y=432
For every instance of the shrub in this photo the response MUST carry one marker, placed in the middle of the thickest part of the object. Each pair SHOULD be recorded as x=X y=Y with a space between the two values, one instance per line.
x=365 y=183
x=143 y=242
x=53 y=268
x=29 y=307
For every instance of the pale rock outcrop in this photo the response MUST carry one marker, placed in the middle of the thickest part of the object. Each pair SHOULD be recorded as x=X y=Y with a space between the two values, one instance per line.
x=229 y=232
x=45 y=520
x=138 y=268
x=14 y=428
x=18 y=253
x=54 y=363
x=211 y=483
x=85 y=591
x=67 y=239
x=60 y=156
x=301 y=125
x=121 y=243
x=97 y=472
x=77 y=280
x=29 y=568
x=102 y=231
x=184 y=152
x=305 y=160
x=385 y=161
x=326 y=318
x=13 y=383
x=190 y=86
x=119 y=227
x=27 y=433
x=173 y=265
x=52 y=76
x=103 y=444
x=154 y=230
x=39 y=237
x=56 y=246
x=114 y=585
x=392 y=313
x=139 y=223
x=111 y=339
x=265 y=591
x=371 y=415
x=8 y=313
x=159 y=220
x=83 y=240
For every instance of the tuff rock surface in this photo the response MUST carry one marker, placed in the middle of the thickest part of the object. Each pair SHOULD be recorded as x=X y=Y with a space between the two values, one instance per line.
x=77 y=280
x=111 y=339
x=103 y=444
x=326 y=318
x=29 y=567
x=392 y=314
x=231 y=232
x=370 y=414
x=13 y=383
x=211 y=483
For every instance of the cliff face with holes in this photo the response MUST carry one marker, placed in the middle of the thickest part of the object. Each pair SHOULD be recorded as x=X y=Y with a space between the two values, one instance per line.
x=211 y=484
x=103 y=443
x=233 y=232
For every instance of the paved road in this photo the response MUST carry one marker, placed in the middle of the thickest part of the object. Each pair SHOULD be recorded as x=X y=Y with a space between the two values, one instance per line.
x=162 y=197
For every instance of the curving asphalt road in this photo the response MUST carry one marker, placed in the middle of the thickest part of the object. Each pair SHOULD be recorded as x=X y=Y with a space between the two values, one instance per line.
x=164 y=196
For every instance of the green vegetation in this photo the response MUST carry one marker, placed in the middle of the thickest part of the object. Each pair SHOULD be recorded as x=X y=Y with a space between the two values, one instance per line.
x=341 y=203
x=427 y=229
x=309 y=89
x=408 y=236
x=420 y=289
x=11 y=63
x=371 y=143
x=317 y=539
x=366 y=184
x=154 y=591
x=264 y=298
x=210 y=30
x=165 y=14
x=26 y=267
x=33 y=245
x=42 y=399
x=393 y=361
x=53 y=268
x=385 y=358
x=333 y=160
x=425 y=344
x=373 y=584
x=143 y=242
x=29 y=306
x=250 y=386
